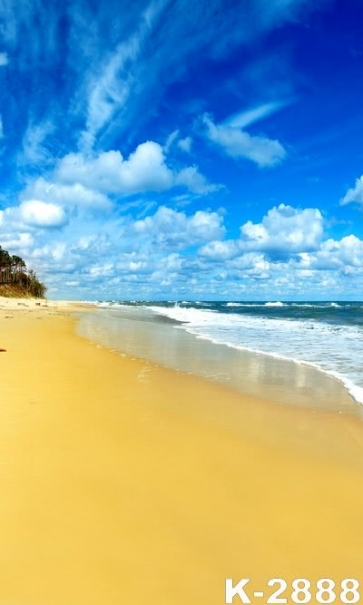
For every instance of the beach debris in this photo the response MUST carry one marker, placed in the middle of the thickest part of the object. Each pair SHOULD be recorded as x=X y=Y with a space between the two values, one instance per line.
x=2 y=350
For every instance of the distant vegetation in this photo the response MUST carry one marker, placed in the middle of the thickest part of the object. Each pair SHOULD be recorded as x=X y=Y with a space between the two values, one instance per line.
x=16 y=279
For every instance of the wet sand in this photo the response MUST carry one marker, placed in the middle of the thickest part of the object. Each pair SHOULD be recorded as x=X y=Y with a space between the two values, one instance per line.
x=125 y=482
x=138 y=332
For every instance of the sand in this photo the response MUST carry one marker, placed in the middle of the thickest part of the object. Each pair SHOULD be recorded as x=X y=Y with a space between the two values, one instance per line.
x=124 y=482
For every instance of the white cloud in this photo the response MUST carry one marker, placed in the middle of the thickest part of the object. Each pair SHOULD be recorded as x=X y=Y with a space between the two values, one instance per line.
x=169 y=228
x=109 y=91
x=221 y=251
x=73 y=195
x=101 y=172
x=80 y=196
x=355 y=194
x=185 y=144
x=286 y=253
x=34 y=150
x=282 y=232
x=123 y=82
x=193 y=180
x=1 y=128
x=250 y=116
x=345 y=254
x=154 y=255
x=19 y=241
x=239 y=144
x=4 y=60
x=252 y=263
x=285 y=229
x=171 y=140
x=110 y=87
x=40 y=214
x=145 y=170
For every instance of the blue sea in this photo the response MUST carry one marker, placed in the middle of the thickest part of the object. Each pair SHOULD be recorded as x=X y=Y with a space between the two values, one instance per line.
x=311 y=349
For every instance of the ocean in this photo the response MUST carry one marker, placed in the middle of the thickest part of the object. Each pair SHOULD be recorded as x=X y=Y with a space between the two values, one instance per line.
x=308 y=353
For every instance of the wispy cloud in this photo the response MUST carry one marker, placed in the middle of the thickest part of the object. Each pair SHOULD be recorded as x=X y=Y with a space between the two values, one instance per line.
x=34 y=150
x=109 y=65
x=4 y=59
x=110 y=88
x=237 y=143
x=156 y=52
x=185 y=144
x=355 y=194
x=31 y=31
x=250 y=116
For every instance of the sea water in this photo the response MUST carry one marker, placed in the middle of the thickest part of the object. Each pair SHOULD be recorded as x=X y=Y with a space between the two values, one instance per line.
x=307 y=353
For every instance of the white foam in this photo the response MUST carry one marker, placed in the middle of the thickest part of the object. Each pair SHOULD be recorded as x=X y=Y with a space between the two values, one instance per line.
x=333 y=349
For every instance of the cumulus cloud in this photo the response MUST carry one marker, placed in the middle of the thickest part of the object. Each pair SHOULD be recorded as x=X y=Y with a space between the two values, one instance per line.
x=287 y=252
x=31 y=213
x=169 y=228
x=282 y=232
x=40 y=214
x=221 y=251
x=299 y=263
x=21 y=241
x=355 y=194
x=124 y=251
x=145 y=169
x=180 y=251
x=285 y=229
x=342 y=255
x=67 y=195
x=239 y=144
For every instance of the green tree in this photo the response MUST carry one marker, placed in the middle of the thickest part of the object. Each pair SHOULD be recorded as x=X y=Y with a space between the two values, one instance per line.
x=5 y=265
x=13 y=270
x=35 y=287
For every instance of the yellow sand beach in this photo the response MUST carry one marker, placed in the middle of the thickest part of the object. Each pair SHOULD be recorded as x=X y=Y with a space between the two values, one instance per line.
x=126 y=483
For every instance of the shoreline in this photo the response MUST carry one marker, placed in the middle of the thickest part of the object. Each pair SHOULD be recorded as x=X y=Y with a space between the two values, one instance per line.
x=123 y=481
x=136 y=331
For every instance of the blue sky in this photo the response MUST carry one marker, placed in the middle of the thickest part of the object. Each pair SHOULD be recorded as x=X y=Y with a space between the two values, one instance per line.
x=184 y=150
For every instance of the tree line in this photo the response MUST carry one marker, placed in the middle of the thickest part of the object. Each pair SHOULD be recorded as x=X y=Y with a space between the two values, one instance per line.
x=13 y=270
